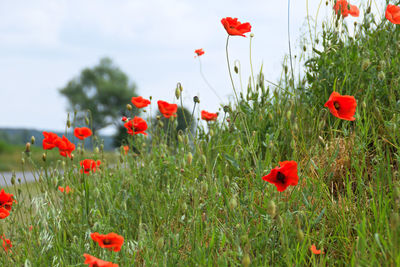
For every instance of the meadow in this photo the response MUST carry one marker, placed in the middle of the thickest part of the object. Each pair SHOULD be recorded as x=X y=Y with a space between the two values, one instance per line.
x=299 y=172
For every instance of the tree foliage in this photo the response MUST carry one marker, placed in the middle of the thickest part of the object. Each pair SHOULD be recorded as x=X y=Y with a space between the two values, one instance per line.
x=102 y=90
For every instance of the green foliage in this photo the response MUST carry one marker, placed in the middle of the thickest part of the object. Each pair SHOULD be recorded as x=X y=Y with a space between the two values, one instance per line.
x=99 y=93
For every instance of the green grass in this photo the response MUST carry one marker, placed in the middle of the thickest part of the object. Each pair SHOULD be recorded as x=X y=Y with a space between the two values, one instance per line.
x=214 y=209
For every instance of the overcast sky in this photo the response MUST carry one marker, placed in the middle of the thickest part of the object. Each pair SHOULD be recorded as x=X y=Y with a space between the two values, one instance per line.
x=45 y=43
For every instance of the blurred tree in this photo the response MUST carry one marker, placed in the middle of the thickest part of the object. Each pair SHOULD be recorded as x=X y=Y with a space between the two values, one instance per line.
x=103 y=89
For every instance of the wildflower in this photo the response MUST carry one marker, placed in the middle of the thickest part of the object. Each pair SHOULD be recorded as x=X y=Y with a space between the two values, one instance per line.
x=346 y=9
x=111 y=241
x=4 y=213
x=82 y=133
x=316 y=251
x=6 y=243
x=89 y=165
x=140 y=102
x=124 y=119
x=199 y=52
x=392 y=14
x=342 y=106
x=136 y=126
x=283 y=176
x=126 y=149
x=49 y=141
x=66 y=189
x=65 y=147
x=234 y=27
x=95 y=262
x=6 y=200
x=207 y=116
x=167 y=109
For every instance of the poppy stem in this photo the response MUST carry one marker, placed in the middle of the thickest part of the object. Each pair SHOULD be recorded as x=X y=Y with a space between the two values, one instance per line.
x=229 y=69
x=206 y=81
x=290 y=48
x=251 y=64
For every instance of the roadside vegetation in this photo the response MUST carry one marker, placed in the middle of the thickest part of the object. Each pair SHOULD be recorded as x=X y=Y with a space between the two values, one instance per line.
x=302 y=172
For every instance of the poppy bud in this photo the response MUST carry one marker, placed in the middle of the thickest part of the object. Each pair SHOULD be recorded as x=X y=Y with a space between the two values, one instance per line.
x=396 y=193
x=288 y=115
x=233 y=203
x=28 y=147
x=381 y=76
x=87 y=120
x=101 y=147
x=236 y=69
x=186 y=140
x=365 y=64
x=226 y=109
x=300 y=235
x=150 y=97
x=204 y=188
x=33 y=140
x=394 y=221
x=161 y=124
x=177 y=93
x=97 y=150
x=22 y=161
x=72 y=157
x=204 y=159
x=271 y=208
x=160 y=243
x=129 y=107
x=368 y=10
x=211 y=132
x=189 y=158
x=304 y=48
x=13 y=180
x=44 y=157
x=196 y=99
x=158 y=117
x=251 y=35
x=124 y=119
x=180 y=138
x=246 y=260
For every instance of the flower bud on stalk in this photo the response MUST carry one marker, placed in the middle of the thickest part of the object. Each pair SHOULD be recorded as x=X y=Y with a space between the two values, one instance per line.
x=189 y=158
x=33 y=140
x=129 y=107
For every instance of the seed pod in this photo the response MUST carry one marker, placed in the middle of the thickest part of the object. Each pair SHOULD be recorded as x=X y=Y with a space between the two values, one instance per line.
x=236 y=69
x=251 y=35
x=129 y=107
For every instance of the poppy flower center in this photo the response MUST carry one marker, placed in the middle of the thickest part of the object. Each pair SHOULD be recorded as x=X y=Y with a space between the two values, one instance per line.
x=106 y=241
x=336 y=104
x=280 y=177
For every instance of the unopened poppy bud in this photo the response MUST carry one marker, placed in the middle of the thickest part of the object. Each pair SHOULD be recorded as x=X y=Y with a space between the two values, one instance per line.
x=97 y=150
x=204 y=188
x=72 y=157
x=189 y=158
x=33 y=140
x=246 y=260
x=150 y=97
x=161 y=124
x=101 y=147
x=129 y=107
x=211 y=132
x=288 y=115
x=87 y=120
x=236 y=69
x=368 y=10
x=13 y=180
x=381 y=76
x=365 y=64
x=180 y=138
x=233 y=203
x=160 y=243
x=22 y=161
x=300 y=235
x=196 y=99
x=177 y=93
x=251 y=35
x=396 y=192
x=186 y=139
x=203 y=159
x=321 y=140
x=270 y=116
x=28 y=147
x=394 y=221
x=304 y=48
x=19 y=181
x=271 y=208
x=44 y=157
x=158 y=117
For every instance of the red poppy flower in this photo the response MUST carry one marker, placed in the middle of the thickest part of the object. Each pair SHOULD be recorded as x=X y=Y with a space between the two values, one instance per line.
x=82 y=133
x=4 y=213
x=65 y=147
x=283 y=176
x=126 y=149
x=49 y=141
x=167 y=109
x=234 y=27
x=316 y=251
x=66 y=189
x=342 y=106
x=124 y=119
x=89 y=165
x=199 y=52
x=6 y=200
x=393 y=14
x=207 y=116
x=346 y=9
x=110 y=241
x=95 y=262
x=136 y=126
x=6 y=243
x=140 y=102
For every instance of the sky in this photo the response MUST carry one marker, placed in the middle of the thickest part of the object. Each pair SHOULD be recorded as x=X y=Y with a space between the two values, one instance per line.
x=44 y=44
